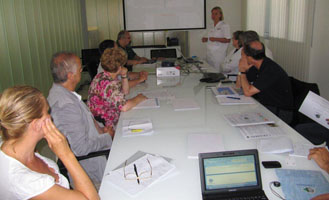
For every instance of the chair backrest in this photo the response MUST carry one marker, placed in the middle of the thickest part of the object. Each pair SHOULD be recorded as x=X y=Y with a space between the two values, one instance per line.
x=90 y=58
x=300 y=89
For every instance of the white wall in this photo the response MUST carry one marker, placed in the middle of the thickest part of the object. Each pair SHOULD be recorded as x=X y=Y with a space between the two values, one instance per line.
x=232 y=15
x=319 y=64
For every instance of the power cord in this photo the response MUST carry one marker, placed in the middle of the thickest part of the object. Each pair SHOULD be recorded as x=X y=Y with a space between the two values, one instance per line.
x=276 y=184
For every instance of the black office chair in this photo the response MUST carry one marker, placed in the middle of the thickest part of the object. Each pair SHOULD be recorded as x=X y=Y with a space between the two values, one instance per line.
x=90 y=58
x=300 y=90
x=63 y=170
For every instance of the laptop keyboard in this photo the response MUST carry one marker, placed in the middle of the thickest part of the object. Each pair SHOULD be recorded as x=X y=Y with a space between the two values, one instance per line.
x=259 y=196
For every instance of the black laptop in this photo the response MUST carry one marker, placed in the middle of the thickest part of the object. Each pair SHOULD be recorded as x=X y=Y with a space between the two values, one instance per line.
x=231 y=175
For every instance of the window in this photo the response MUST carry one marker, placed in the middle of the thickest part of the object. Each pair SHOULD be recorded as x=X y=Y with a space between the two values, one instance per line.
x=283 y=19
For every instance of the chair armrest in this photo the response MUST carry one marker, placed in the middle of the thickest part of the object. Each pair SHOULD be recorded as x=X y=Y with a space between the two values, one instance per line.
x=90 y=155
x=95 y=154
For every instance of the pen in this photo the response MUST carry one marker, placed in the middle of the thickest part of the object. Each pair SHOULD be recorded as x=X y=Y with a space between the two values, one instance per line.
x=234 y=98
x=135 y=168
x=136 y=130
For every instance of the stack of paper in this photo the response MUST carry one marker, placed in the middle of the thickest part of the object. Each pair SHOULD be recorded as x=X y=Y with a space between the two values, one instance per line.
x=185 y=104
x=203 y=143
x=148 y=103
x=230 y=96
x=261 y=131
x=247 y=119
x=136 y=127
x=149 y=168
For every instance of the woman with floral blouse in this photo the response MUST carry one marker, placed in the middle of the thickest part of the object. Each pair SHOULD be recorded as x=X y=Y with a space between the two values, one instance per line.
x=107 y=91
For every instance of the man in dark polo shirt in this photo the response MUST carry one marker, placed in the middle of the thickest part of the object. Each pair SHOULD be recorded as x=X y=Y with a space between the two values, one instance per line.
x=124 y=41
x=263 y=79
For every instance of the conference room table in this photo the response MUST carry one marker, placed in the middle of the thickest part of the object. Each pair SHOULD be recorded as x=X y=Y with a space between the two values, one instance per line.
x=171 y=130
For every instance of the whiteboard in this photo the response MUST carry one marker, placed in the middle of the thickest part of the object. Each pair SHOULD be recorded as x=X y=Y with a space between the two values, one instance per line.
x=151 y=15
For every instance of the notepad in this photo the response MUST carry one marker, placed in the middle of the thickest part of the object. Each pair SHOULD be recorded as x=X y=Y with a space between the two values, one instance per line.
x=261 y=131
x=203 y=143
x=247 y=119
x=185 y=104
x=136 y=127
x=148 y=103
x=234 y=100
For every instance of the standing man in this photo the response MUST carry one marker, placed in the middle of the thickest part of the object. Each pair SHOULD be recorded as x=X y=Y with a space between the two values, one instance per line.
x=271 y=86
x=124 y=41
x=219 y=37
x=73 y=118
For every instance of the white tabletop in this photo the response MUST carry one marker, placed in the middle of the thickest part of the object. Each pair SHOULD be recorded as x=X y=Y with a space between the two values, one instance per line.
x=170 y=140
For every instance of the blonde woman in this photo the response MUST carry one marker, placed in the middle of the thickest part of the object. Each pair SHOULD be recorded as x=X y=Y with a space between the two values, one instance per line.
x=218 y=39
x=106 y=97
x=24 y=174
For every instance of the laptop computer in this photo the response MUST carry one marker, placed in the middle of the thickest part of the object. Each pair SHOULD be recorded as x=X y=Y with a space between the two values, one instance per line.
x=231 y=175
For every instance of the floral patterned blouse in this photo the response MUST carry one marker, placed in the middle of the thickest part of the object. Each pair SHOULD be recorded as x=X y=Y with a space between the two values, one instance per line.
x=105 y=98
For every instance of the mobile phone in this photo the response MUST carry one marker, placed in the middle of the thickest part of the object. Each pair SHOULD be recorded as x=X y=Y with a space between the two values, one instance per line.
x=271 y=164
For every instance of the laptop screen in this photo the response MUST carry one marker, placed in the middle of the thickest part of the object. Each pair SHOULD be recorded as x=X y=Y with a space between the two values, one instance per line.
x=230 y=172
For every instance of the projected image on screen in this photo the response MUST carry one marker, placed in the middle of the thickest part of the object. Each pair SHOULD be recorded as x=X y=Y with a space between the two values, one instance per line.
x=143 y=15
x=230 y=172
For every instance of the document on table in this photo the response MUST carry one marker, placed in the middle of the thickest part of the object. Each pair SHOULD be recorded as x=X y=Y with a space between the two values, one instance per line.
x=203 y=143
x=302 y=184
x=185 y=104
x=159 y=94
x=136 y=127
x=316 y=108
x=234 y=100
x=302 y=150
x=148 y=103
x=247 y=119
x=219 y=91
x=149 y=168
x=261 y=131
x=275 y=145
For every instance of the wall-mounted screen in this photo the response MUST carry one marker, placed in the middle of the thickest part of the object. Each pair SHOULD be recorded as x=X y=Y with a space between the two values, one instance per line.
x=156 y=15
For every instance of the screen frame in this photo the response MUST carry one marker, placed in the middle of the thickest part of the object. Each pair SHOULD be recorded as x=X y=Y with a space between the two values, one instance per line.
x=203 y=156
x=174 y=29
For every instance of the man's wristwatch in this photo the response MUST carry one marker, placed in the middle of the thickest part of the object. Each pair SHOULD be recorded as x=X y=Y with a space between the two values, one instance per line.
x=242 y=73
x=124 y=76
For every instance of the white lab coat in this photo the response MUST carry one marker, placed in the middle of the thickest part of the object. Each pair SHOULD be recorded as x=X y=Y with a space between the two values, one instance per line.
x=216 y=51
x=231 y=63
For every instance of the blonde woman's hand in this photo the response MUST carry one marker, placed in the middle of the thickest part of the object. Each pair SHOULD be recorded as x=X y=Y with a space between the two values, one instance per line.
x=56 y=140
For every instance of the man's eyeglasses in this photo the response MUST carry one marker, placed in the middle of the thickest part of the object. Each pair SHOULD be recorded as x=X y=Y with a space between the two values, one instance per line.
x=138 y=176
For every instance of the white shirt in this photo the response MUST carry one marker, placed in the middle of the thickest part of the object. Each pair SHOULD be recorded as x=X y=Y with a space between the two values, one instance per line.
x=216 y=51
x=231 y=62
x=20 y=182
